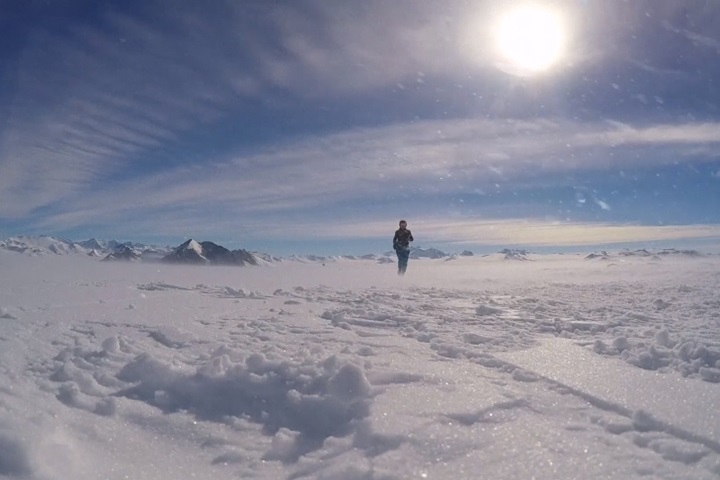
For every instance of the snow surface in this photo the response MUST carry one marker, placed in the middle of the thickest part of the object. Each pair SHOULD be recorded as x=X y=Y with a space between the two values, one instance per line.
x=555 y=368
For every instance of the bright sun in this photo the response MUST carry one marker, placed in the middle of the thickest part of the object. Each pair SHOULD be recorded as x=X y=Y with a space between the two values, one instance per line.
x=529 y=39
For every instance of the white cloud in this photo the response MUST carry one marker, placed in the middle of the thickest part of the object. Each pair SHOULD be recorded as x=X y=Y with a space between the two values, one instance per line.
x=84 y=104
x=511 y=232
x=87 y=102
x=668 y=134
x=383 y=165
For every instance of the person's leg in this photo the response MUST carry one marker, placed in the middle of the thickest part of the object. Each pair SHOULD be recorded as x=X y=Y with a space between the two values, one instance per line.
x=402 y=261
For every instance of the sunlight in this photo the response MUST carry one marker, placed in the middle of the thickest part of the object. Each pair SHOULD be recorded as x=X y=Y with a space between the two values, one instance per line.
x=529 y=39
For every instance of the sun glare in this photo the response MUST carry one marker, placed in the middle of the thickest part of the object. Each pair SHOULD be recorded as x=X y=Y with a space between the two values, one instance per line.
x=529 y=39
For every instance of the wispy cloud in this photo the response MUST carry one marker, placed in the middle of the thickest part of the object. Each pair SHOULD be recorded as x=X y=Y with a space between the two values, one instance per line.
x=384 y=166
x=85 y=103
x=624 y=134
x=92 y=99
x=511 y=232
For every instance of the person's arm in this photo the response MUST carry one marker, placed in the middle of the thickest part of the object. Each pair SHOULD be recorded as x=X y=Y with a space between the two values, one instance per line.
x=410 y=237
x=395 y=241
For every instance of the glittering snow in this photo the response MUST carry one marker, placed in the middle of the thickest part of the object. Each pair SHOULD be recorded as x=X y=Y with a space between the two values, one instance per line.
x=558 y=368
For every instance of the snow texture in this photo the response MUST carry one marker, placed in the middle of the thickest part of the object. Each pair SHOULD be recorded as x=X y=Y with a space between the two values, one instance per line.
x=555 y=368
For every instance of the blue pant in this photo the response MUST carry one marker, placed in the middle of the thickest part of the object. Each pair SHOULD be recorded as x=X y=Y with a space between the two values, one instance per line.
x=403 y=255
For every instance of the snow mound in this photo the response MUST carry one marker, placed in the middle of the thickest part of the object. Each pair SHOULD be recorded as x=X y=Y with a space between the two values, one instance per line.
x=305 y=401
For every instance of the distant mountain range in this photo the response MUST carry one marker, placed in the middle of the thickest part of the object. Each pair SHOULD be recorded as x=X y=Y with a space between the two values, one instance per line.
x=209 y=253
x=104 y=249
x=190 y=252
x=644 y=253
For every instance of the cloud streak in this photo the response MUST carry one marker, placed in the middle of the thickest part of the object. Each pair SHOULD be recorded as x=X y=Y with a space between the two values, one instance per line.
x=386 y=165
x=509 y=232
x=93 y=99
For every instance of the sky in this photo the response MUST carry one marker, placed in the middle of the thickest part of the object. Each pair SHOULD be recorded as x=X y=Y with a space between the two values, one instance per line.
x=314 y=127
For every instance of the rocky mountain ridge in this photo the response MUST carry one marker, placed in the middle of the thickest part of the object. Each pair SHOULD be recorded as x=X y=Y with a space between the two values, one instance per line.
x=189 y=252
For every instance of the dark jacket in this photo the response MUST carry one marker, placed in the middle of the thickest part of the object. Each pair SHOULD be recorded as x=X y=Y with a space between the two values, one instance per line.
x=402 y=239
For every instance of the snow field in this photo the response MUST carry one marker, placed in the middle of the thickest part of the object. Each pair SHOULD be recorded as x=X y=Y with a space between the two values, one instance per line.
x=473 y=368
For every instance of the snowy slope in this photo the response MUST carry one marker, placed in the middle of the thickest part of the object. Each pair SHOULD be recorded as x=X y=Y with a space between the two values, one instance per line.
x=674 y=408
x=48 y=245
x=559 y=368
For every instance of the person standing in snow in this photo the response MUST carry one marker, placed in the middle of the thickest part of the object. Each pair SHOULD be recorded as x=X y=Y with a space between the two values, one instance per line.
x=401 y=244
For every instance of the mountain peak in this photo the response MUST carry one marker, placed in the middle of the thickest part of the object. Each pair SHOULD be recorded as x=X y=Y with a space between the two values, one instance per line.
x=192 y=245
x=209 y=253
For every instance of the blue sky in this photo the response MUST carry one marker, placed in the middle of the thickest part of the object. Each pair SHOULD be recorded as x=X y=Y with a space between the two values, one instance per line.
x=314 y=126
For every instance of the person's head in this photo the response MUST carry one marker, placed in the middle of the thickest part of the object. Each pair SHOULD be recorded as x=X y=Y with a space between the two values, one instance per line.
x=403 y=224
